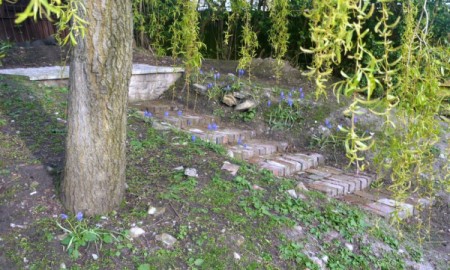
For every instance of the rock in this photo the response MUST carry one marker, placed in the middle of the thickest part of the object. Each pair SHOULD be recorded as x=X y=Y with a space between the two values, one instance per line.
x=246 y=105
x=294 y=234
x=161 y=126
x=319 y=262
x=300 y=187
x=156 y=211
x=191 y=172
x=256 y=187
x=179 y=168
x=95 y=257
x=349 y=246
x=232 y=168
x=201 y=89
x=242 y=94
x=229 y=100
x=237 y=240
x=166 y=239
x=236 y=256
x=136 y=232
x=423 y=202
x=292 y=193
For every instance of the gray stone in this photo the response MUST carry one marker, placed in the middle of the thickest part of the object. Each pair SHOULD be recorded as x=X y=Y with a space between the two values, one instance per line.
x=292 y=193
x=201 y=89
x=242 y=94
x=191 y=172
x=246 y=105
x=136 y=232
x=349 y=246
x=300 y=187
x=166 y=239
x=232 y=168
x=156 y=211
x=229 y=100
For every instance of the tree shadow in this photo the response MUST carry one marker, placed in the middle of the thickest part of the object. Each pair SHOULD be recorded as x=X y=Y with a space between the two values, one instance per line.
x=35 y=114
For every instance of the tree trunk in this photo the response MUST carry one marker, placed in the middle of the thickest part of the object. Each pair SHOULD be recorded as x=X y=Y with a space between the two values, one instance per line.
x=100 y=71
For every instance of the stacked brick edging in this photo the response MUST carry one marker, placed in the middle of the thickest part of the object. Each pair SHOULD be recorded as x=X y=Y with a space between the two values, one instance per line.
x=308 y=168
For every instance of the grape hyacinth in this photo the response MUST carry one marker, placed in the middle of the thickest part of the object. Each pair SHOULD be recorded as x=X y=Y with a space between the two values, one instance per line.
x=147 y=113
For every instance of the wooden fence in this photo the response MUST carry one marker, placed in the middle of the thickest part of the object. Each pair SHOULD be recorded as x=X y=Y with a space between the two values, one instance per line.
x=29 y=30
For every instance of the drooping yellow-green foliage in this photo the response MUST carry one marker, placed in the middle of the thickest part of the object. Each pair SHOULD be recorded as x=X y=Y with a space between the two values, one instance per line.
x=66 y=12
x=185 y=42
x=279 y=35
x=249 y=42
x=408 y=78
x=331 y=34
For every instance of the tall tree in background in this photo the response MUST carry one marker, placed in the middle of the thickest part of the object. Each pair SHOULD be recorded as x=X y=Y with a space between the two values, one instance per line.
x=100 y=71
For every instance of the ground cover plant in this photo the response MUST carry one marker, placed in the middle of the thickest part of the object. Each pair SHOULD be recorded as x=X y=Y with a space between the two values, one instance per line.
x=219 y=221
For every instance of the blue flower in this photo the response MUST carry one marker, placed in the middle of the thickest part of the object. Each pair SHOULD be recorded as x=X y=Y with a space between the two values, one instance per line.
x=282 y=95
x=209 y=127
x=328 y=124
x=245 y=145
x=193 y=138
x=201 y=71
x=269 y=103
x=216 y=76
x=189 y=122
x=64 y=216
x=209 y=85
x=79 y=216
x=241 y=72
x=239 y=142
x=290 y=102
x=290 y=94
x=166 y=114
x=147 y=114
x=180 y=113
x=300 y=90
x=302 y=95
x=214 y=126
x=355 y=119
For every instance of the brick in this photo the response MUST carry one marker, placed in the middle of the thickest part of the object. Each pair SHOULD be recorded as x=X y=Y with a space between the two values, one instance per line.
x=305 y=163
x=319 y=158
x=329 y=188
x=290 y=167
x=276 y=170
x=349 y=186
x=312 y=162
x=297 y=165
x=286 y=168
x=404 y=210
x=355 y=183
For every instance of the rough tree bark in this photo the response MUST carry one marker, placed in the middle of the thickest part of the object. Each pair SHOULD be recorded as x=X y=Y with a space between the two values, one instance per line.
x=100 y=71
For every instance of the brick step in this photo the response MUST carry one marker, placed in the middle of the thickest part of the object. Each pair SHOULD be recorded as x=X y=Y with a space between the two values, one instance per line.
x=288 y=164
x=380 y=204
x=334 y=182
x=250 y=149
x=223 y=136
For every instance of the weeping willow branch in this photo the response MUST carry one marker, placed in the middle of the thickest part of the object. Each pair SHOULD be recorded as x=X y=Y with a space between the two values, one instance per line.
x=279 y=35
